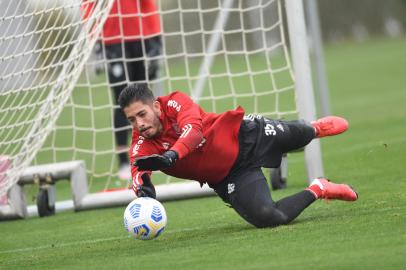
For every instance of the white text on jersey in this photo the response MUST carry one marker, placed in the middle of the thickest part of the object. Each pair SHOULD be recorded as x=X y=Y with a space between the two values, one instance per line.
x=174 y=104
x=137 y=146
x=185 y=130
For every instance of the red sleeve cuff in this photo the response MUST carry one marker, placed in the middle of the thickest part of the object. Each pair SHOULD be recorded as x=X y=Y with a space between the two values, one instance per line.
x=181 y=149
x=188 y=143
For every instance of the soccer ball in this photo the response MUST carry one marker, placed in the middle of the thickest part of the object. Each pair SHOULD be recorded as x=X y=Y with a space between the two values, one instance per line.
x=145 y=218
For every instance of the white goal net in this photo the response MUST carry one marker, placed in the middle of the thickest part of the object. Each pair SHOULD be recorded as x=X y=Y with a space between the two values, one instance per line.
x=56 y=101
x=43 y=47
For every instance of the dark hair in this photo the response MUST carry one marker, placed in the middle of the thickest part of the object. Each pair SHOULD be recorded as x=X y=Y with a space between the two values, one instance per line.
x=135 y=92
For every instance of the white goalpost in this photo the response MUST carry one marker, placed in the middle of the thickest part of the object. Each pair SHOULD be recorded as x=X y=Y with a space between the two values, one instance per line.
x=56 y=103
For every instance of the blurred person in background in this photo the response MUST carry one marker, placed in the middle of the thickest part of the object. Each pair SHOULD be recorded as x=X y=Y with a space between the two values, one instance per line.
x=131 y=44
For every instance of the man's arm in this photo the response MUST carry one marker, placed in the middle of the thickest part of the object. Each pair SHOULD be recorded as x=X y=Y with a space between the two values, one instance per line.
x=141 y=182
x=188 y=116
x=189 y=119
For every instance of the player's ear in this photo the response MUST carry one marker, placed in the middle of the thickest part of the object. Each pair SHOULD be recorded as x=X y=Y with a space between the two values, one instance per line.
x=157 y=107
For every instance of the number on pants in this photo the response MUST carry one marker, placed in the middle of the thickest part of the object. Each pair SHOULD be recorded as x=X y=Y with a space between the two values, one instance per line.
x=270 y=130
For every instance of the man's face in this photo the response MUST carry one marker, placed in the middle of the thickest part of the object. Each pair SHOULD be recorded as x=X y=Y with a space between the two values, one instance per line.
x=144 y=117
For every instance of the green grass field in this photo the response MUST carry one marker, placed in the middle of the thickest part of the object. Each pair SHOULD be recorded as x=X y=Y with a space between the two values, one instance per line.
x=368 y=87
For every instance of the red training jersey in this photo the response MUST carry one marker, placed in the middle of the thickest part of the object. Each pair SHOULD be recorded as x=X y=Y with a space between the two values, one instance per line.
x=207 y=143
x=128 y=20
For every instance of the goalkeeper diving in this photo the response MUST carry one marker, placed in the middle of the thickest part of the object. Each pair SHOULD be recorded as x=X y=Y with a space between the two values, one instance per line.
x=227 y=151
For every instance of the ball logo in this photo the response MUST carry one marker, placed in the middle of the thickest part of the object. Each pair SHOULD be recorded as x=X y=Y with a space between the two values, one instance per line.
x=135 y=210
x=160 y=231
x=141 y=230
x=156 y=214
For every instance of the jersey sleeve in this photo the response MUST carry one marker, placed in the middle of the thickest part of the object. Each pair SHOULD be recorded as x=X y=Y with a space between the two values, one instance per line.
x=189 y=119
x=139 y=148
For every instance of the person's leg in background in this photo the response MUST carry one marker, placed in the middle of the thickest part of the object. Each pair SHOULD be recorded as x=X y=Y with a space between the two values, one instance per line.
x=118 y=74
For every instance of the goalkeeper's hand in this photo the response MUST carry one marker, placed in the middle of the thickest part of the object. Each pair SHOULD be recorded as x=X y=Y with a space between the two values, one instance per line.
x=146 y=189
x=156 y=162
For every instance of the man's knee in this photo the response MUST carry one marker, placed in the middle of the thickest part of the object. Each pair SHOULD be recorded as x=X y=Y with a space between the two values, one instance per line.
x=299 y=134
x=302 y=129
x=269 y=216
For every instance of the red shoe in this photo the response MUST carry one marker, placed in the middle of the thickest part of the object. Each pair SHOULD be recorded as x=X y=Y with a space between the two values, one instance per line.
x=324 y=189
x=329 y=126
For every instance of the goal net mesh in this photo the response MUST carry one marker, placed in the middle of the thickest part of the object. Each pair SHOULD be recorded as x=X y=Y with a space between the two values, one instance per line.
x=56 y=102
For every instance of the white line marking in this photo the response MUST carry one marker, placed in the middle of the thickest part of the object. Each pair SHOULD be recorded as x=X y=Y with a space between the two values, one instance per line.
x=62 y=245
x=78 y=243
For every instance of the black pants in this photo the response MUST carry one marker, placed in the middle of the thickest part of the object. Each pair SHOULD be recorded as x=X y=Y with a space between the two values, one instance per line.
x=262 y=144
x=130 y=62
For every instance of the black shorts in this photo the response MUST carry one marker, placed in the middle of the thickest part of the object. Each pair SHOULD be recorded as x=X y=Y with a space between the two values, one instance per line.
x=262 y=143
x=139 y=62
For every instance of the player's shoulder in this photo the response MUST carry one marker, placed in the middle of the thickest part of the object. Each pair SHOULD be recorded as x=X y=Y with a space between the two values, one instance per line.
x=175 y=95
x=174 y=100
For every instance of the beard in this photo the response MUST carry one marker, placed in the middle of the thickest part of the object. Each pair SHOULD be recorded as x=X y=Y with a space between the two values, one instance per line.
x=155 y=130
